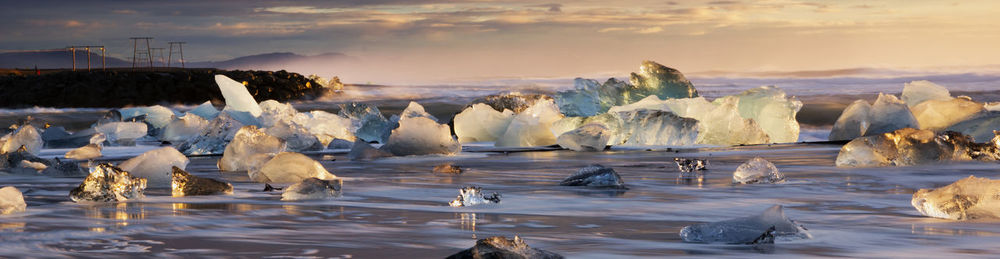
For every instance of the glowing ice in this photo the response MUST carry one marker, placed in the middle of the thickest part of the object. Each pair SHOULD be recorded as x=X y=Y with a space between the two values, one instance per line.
x=917 y=92
x=326 y=126
x=185 y=184
x=27 y=136
x=313 y=189
x=250 y=149
x=107 y=183
x=122 y=133
x=11 y=200
x=290 y=167
x=659 y=80
x=590 y=137
x=414 y=109
x=236 y=95
x=421 y=136
x=472 y=196
x=595 y=176
x=480 y=122
x=965 y=199
x=773 y=111
x=853 y=121
x=367 y=122
x=912 y=147
x=532 y=126
x=157 y=116
x=154 y=165
x=757 y=170
x=273 y=111
x=939 y=114
x=90 y=151
x=746 y=230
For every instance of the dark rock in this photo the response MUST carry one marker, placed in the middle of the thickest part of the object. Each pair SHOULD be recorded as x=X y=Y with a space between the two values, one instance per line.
x=447 y=169
x=312 y=189
x=363 y=151
x=185 y=184
x=498 y=247
x=64 y=169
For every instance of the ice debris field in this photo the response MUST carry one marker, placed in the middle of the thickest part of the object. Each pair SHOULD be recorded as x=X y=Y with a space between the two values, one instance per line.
x=584 y=172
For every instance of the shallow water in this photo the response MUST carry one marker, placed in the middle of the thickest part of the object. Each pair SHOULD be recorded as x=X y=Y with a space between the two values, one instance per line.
x=397 y=208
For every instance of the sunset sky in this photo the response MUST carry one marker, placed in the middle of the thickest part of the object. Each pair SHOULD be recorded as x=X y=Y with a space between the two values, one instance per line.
x=434 y=41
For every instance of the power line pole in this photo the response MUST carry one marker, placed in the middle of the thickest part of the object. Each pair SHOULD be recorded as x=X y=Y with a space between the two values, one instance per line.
x=87 y=49
x=180 y=48
x=139 y=54
x=158 y=55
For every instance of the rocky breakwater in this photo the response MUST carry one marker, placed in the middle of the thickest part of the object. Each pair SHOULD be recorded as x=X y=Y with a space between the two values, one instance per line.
x=119 y=88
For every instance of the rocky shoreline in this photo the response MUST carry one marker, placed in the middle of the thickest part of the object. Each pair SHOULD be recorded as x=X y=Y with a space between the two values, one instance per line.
x=121 y=88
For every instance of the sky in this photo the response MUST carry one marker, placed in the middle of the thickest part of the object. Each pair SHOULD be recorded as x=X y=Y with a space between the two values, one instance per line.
x=421 y=41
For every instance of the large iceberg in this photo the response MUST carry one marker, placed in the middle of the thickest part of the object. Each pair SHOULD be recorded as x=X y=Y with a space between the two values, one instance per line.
x=532 y=127
x=419 y=135
x=155 y=165
x=746 y=230
x=289 y=167
x=480 y=122
x=501 y=247
x=25 y=135
x=122 y=133
x=912 y=147
x=250 y=149
x=968 y=198
x=590 y=137
x=367 y=122
x=313 y=189
x=718 y=122
x=108 y=183
x=236 y=95
x=757 y=170
x=11 y=200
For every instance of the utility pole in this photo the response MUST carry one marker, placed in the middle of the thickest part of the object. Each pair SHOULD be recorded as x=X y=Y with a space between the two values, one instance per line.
x=139 y=54
x=87 y=48
x=180 y=48
x=158 y=55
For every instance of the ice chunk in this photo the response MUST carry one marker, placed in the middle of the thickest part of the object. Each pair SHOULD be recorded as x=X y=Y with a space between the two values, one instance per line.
x=447 y=168
x=58 y=137
x=583 y=101
x=122 y=133
x=184 y=128
x=912 y=147
x=480 y=122
x=11 y=200
x=296 y=137
x=724 y=126
x=590 y=137
x=968 y=198
x=290 y=167
x=514 y=101
x=206 y=111
x=595 y=176
x=650 y=127
x=853 y=121
x=313 y=189
x=917 y=92
x=90 y=151
x=157 y=116
x=214 y=137
x=532 y=126
x=25 y=135
x=184 y=184
x=236 y=95
x=980 y=126
x=363 y=151
x=890 y=114
x=107 y=183
x=746 y=230
x=414 y=109
x=686 y=165
x=367 y=122
x=64 y=169
x=757 y=170
x=326 y=126
x=773 y=111
x=421 y=136
x=501 y=247
x=472 y=196
x=250 y=149
x=154 y=165
x=939 y=114
x=659 y=80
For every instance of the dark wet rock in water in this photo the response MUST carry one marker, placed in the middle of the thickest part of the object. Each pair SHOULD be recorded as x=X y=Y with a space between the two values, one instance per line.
x=186 y=184
x=472 y=196
x=595 y=176
x=64 y=169
x=363 y=151
x=340 y=144
x=498 y=247
x=21 y=162
x=686 y=165
x=447 y=169
x=757 y=229
x=313 y=189
x=269 y=188
x=515 y=102
x=107 y=183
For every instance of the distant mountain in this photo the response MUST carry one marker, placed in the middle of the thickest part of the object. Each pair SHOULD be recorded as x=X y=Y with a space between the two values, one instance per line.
x=272 y=61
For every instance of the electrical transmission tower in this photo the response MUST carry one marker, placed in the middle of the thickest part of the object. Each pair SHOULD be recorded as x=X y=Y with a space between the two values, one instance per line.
x=141 y=55
x=72 y=50
x=157 y=55
x=180 y=49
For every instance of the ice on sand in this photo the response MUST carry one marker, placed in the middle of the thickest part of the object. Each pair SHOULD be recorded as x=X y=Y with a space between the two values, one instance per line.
x=11 y=200
x=746 y=230
x=183 y=128
x=472 y=196
x=155 y=165
x=107 y=183
x=912 y=147
x=236 y=95
x=27 y=136
x=590 y=137
x=501 y=247
x=480 y=123
x=757 y=170
x=90 y=151
x=185 y=184
x=367 y=122
x=965 y=199
x=595 y=176
x=917 y=92
x=940 y=114
x=250 y=149
x=289 y=167
x=532 y=127
x=421 y=136
x=313 y=189
x=122 y=133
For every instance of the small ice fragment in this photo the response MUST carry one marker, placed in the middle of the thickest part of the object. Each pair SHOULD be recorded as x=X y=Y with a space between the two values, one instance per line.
x=447 y=168
x=249 y=149
x=338 y=143
x=690 y=164
x=501 y=247
x=746 y=230
x=296 y=137
x=289 y=167
x=965 y=199
x=185 y=184
x=236 y=95
x=122 y=133
x=107 y=183
x=12 y=161
x=90 y=151
x=472 y=196
x=27 y=136
x=313 y=189
x=590 y=137
x=154 y=165
x=595 y=176
x=11 y=200
x=757 y=170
